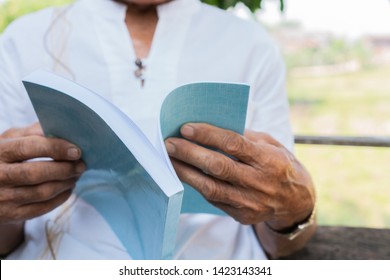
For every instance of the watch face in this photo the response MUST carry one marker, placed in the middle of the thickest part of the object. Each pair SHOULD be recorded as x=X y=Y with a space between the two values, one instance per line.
x=300 y=228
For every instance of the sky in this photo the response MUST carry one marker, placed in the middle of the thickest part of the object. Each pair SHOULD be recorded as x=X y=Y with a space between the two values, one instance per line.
x=351 y=18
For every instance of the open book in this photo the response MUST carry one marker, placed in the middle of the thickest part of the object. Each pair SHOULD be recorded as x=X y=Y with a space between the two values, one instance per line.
x=130 y=182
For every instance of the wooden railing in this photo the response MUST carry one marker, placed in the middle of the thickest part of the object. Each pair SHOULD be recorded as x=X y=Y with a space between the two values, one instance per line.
x=346 y=243
x=344 y=140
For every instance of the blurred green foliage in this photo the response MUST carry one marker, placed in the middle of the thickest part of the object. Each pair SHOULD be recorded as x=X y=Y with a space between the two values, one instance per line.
x=12 y=9
x=335 y=51
x=353 y=183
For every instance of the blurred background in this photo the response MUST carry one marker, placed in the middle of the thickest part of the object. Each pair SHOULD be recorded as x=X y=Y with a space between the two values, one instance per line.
x=337 y=54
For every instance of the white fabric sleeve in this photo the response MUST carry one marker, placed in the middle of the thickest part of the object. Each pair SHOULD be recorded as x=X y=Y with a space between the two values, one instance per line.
x=268 y=104
x=15 y=107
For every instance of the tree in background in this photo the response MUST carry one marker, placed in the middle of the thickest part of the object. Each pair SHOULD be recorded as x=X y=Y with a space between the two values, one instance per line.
x=253 y=5
x=12 y=9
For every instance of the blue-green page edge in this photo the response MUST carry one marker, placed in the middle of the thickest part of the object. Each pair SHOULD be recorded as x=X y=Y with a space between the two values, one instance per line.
x=220 y=104
x=61 y=116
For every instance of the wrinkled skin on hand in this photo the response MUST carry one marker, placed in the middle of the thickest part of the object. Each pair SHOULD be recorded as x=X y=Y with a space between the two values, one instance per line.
x=32 y=188
x=264 y=184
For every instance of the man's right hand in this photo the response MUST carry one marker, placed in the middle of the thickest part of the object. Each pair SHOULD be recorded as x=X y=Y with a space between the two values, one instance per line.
x=30 y=189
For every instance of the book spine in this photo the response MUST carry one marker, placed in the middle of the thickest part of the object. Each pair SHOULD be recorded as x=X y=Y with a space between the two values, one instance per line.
x=172 y=222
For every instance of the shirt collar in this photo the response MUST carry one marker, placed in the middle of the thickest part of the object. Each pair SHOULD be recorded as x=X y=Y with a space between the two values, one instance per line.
x=113 y=10
x=106 y=8
x=186 y=8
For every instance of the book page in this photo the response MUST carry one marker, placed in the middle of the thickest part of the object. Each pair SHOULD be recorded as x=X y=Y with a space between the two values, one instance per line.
x=220 y=104
x=126 y=180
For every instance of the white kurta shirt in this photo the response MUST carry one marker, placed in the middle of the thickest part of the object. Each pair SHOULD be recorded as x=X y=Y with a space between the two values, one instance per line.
x=89 y=43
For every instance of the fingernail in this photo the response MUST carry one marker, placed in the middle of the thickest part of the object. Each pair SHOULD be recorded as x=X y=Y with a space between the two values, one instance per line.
x=187 y=131
x=74 y=153
x=170 y=147
x=80 y=168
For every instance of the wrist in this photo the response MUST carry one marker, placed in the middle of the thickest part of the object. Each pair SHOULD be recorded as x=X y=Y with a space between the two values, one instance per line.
x=286 y=224
x=292 y=230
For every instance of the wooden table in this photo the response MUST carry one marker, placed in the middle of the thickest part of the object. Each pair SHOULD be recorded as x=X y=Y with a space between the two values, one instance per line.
x=346 y=243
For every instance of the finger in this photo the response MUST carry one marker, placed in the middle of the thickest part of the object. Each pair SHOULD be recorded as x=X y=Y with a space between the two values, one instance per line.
x=37 y=193
x=245 y=206
x=237 y=204
x=227 y=141
x=281 y=156
x=33 y=173
x=26 y=148
x=33 y=210
x=34 y=129
x=246 y=216
x=212 y=189
x=261 y=137
x=211 y=162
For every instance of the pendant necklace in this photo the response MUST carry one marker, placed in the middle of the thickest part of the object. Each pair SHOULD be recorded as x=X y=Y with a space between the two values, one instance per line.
x=139 y=72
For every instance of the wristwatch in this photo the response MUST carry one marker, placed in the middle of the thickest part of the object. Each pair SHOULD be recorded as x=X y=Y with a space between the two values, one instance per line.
x=297 y=229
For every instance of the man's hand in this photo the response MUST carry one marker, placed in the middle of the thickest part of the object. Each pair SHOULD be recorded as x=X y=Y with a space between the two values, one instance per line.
x=263 y=182
x=32 y=188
